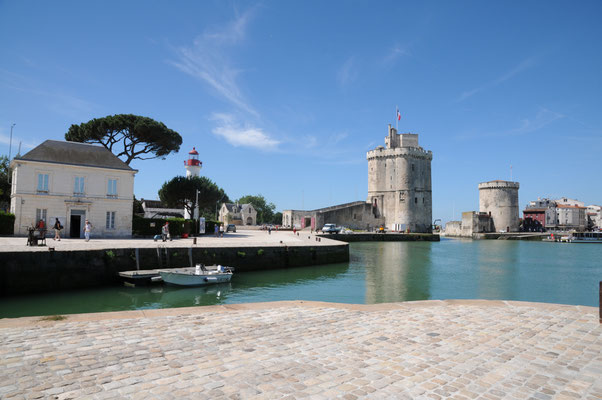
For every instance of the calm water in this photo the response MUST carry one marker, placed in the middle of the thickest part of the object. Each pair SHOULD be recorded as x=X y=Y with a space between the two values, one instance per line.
x=377 y=273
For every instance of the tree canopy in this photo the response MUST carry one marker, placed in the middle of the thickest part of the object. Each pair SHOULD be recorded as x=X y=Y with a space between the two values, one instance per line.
x=4 y=177
x=180 y=192
x=265 y=210
x=128 y=136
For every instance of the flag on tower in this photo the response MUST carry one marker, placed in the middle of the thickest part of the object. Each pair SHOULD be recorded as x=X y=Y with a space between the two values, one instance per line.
x=398 y=115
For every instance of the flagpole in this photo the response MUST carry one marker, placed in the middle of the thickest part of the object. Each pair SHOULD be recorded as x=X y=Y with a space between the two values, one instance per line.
x=396 y=118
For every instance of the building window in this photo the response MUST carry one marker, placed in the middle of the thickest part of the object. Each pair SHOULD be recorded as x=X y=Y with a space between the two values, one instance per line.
x=112 y=188
x=412 y=167
x=110 y=219
x=415 y=200
x=78 y=187
x=41 y=215
x=42 y=182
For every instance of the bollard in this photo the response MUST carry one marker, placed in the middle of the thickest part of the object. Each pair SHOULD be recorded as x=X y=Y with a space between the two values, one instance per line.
x=193 y=240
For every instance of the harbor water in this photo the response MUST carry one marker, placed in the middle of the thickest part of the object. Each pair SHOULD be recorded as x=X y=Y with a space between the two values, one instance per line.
x=378 y=272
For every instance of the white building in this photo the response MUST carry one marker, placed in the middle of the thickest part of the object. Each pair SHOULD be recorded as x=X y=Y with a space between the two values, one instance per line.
x=73 y=182
x=594 y=215
x=243 y=214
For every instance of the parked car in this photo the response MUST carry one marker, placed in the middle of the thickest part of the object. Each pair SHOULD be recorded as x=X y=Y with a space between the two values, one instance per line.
x=231 y=228
x=330 y=228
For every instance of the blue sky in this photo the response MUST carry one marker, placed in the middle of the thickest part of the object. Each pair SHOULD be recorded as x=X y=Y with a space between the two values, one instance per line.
x=285 y=98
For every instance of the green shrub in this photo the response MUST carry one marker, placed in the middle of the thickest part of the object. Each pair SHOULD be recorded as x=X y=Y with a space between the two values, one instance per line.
x=177 y=226
x=7 y=223
x=210 y=227
x=241 y=254
x=260 y=252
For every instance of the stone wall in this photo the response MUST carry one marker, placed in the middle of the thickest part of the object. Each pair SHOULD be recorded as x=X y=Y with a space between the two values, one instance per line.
x=32 y=272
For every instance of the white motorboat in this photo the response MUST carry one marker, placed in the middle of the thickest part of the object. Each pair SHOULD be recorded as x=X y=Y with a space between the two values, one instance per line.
x=198 y=276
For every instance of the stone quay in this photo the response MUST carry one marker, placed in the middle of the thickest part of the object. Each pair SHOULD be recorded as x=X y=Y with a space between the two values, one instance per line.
x=291 y=350
x=76 y=264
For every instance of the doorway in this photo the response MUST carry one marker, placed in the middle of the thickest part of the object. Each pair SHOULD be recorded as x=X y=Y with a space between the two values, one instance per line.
x=76 y=221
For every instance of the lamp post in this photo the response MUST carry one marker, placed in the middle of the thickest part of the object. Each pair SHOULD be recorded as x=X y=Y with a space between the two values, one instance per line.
x=10 y=143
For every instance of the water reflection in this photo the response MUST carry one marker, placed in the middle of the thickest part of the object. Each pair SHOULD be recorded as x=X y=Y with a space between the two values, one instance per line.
x=396 y=271
x=497 y=263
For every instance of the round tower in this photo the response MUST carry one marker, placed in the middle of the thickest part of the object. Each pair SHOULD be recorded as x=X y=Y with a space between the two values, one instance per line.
x=193 y=165
x=500 y=200
x=399 y=183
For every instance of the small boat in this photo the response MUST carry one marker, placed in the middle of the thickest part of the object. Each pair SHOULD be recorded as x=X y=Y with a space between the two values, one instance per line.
x=198 y=276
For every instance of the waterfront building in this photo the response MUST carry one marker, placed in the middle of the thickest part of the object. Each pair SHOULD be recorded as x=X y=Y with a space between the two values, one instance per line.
x=543 y=211
x=238 y=214
x=571 y=217
x=399 y=192
x=72 y=182
x=594 y=217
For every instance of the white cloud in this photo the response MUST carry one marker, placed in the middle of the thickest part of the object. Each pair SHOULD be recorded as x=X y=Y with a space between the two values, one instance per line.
x=348 y=72
x=522 y=66
x=543 y=118
x=395 y=53
x=237 y=135
x=207 y=60
x=540 y=120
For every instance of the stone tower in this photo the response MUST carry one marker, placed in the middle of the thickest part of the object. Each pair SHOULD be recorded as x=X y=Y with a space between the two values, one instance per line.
x=500 y=199
x=399 y=183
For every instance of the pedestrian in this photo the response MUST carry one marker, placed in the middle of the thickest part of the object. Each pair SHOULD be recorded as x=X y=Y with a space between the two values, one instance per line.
x=87 y=230
x=57 y=229
x=294 y=231
x=269 y=229
x=215 y=230
x=165 y=231
x=221 y=230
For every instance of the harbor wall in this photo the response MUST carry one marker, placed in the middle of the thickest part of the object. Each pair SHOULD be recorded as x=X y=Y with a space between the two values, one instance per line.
x=34 y=272
x=386 y=237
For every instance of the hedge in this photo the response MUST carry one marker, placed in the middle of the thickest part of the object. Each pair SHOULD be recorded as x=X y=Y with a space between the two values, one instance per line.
x=7 y=223
x=177 y=226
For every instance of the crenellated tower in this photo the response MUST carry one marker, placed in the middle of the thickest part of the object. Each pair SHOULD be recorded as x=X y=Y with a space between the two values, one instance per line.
x=399 y=183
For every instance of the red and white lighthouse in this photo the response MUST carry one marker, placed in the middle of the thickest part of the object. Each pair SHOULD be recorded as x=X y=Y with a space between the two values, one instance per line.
x=193 y=165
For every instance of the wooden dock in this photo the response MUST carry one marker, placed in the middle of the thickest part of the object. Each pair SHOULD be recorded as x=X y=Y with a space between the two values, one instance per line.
x=141 y=277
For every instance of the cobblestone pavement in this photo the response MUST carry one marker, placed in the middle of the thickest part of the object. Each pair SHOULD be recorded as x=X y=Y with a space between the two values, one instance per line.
x=241 y=238
x=431 y=350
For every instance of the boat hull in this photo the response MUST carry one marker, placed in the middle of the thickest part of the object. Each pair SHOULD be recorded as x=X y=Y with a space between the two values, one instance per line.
x=189 y=277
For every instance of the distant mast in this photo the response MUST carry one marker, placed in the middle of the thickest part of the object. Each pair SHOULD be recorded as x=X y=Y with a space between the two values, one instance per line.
x=193 y=168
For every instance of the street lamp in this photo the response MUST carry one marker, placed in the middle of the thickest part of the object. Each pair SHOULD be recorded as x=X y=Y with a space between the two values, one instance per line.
x=10 y=143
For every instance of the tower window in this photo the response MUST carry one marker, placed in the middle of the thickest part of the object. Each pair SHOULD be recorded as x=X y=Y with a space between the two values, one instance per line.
x=412 y=167
x=415 y=200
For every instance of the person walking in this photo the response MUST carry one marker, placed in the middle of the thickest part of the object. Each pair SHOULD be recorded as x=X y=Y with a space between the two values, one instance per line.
x=215 y=230
x=165 y=231
x=221 y=230
x=87 y=230
x=57 y=229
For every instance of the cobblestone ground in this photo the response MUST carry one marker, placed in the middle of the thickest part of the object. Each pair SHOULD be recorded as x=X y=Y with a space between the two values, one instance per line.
x=431 y=350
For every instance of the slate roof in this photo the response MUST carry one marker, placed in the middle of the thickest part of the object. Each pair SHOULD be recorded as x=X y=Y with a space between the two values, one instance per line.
x=74 y=153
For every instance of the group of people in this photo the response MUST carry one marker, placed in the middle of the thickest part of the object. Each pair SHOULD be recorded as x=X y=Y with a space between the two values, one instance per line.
x=58 y=227
x=218 y=230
